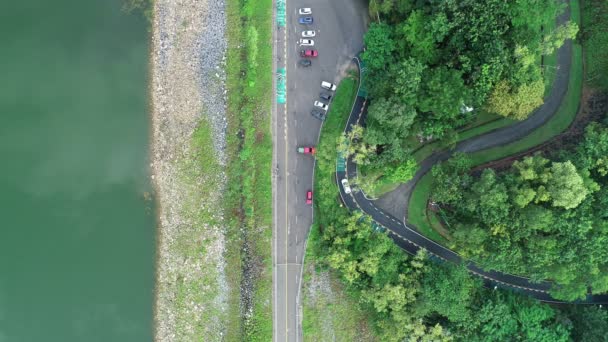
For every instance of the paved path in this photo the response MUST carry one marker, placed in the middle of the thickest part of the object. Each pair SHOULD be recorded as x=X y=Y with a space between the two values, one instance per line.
x=397 y=201
x=339 y=26
x=411 y=241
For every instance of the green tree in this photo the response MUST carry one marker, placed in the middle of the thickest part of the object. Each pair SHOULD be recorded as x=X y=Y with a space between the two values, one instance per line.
x=402 y=172
x=556 y=38
x=450 y=178
x=448 y=291
x=489 y=199
x=442 y=95
x=415 y=31
x=566 y=186
x=388 y=125
x=515 y=318
x=516 y=103
x=379 y=46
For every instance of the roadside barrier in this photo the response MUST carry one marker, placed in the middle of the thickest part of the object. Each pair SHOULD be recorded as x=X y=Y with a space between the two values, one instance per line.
x=281 y=88
x=281 y=14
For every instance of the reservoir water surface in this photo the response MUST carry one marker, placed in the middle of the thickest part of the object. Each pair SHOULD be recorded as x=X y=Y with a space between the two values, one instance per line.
x=76 y=220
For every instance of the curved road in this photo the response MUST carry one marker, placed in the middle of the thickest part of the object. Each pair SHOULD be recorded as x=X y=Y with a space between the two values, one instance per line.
x=397 y=201
x=411 y=241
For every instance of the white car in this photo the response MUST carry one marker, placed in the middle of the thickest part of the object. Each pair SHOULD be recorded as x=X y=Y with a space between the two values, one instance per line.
x=305 y=11
x=308 y=34
x=345 y=186
x=321 y=105
x=307 y=42
x=328 y=86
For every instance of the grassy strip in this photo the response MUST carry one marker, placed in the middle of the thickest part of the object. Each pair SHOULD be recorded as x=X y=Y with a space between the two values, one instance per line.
x=329 y=311
x=200 y=175
x=549 y=64
x=595 y=37
x=417 y=209
x=248 y=200
x=326 y=190
x=557 y=124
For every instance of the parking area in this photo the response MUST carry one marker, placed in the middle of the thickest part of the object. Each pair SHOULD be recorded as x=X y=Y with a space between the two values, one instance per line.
x=338 y=27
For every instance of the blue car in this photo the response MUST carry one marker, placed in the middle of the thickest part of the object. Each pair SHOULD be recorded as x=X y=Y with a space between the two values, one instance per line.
x=306 y=20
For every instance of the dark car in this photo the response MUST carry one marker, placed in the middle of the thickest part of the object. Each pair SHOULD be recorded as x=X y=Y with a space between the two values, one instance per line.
x=306 y=20
x=319 y=114
x=305 y=62
x=325 y=96
x=308 y=53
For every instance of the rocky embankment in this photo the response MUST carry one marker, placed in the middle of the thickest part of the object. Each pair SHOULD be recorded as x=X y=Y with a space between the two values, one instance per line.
x=187 y=90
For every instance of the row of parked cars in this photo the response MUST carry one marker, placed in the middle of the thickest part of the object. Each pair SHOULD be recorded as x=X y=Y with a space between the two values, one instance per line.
x=306 y=54
x=322 y=105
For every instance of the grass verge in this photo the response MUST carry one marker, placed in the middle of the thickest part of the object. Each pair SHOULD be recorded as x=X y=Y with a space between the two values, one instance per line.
x=330 y=311
x=200 y=175
x=566 y=113
x=248 y=199
x=595 y=42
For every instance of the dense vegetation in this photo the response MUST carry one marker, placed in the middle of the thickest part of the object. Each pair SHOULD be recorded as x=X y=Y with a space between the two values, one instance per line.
x=595 y=39
x=412 y=299
x=544 y=217
x=248 y=196
x=553 y=202
x=433 y=66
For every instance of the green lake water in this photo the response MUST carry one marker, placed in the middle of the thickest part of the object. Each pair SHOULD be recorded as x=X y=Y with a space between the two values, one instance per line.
x=76 y=230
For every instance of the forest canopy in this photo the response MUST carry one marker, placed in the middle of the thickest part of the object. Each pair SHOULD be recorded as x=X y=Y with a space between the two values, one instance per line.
x=544 y=217
x=433 y=65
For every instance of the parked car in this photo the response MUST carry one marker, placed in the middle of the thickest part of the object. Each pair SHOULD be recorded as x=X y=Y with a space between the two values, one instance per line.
x=309 y=197
x=307 y=42
x=319 y=114
x=308 y=34
x=325 y=96
x=321 y=105
x=305 y=20
x=328 y=86
x=307 y=150
x=345 y=185
x=305 y=62
x=309 y=53
x=305 y=11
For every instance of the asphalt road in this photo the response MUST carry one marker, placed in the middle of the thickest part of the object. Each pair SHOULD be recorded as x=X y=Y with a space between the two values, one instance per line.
x=411 y=241
x=339 y=26
x=397 y=201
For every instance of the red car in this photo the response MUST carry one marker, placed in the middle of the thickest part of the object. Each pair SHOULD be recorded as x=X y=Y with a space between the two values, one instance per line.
x=309 y=197
x=307 y=150
x=309 y=53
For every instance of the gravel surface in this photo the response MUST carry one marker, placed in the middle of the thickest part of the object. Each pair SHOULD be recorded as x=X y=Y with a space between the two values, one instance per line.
x=187 y=87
